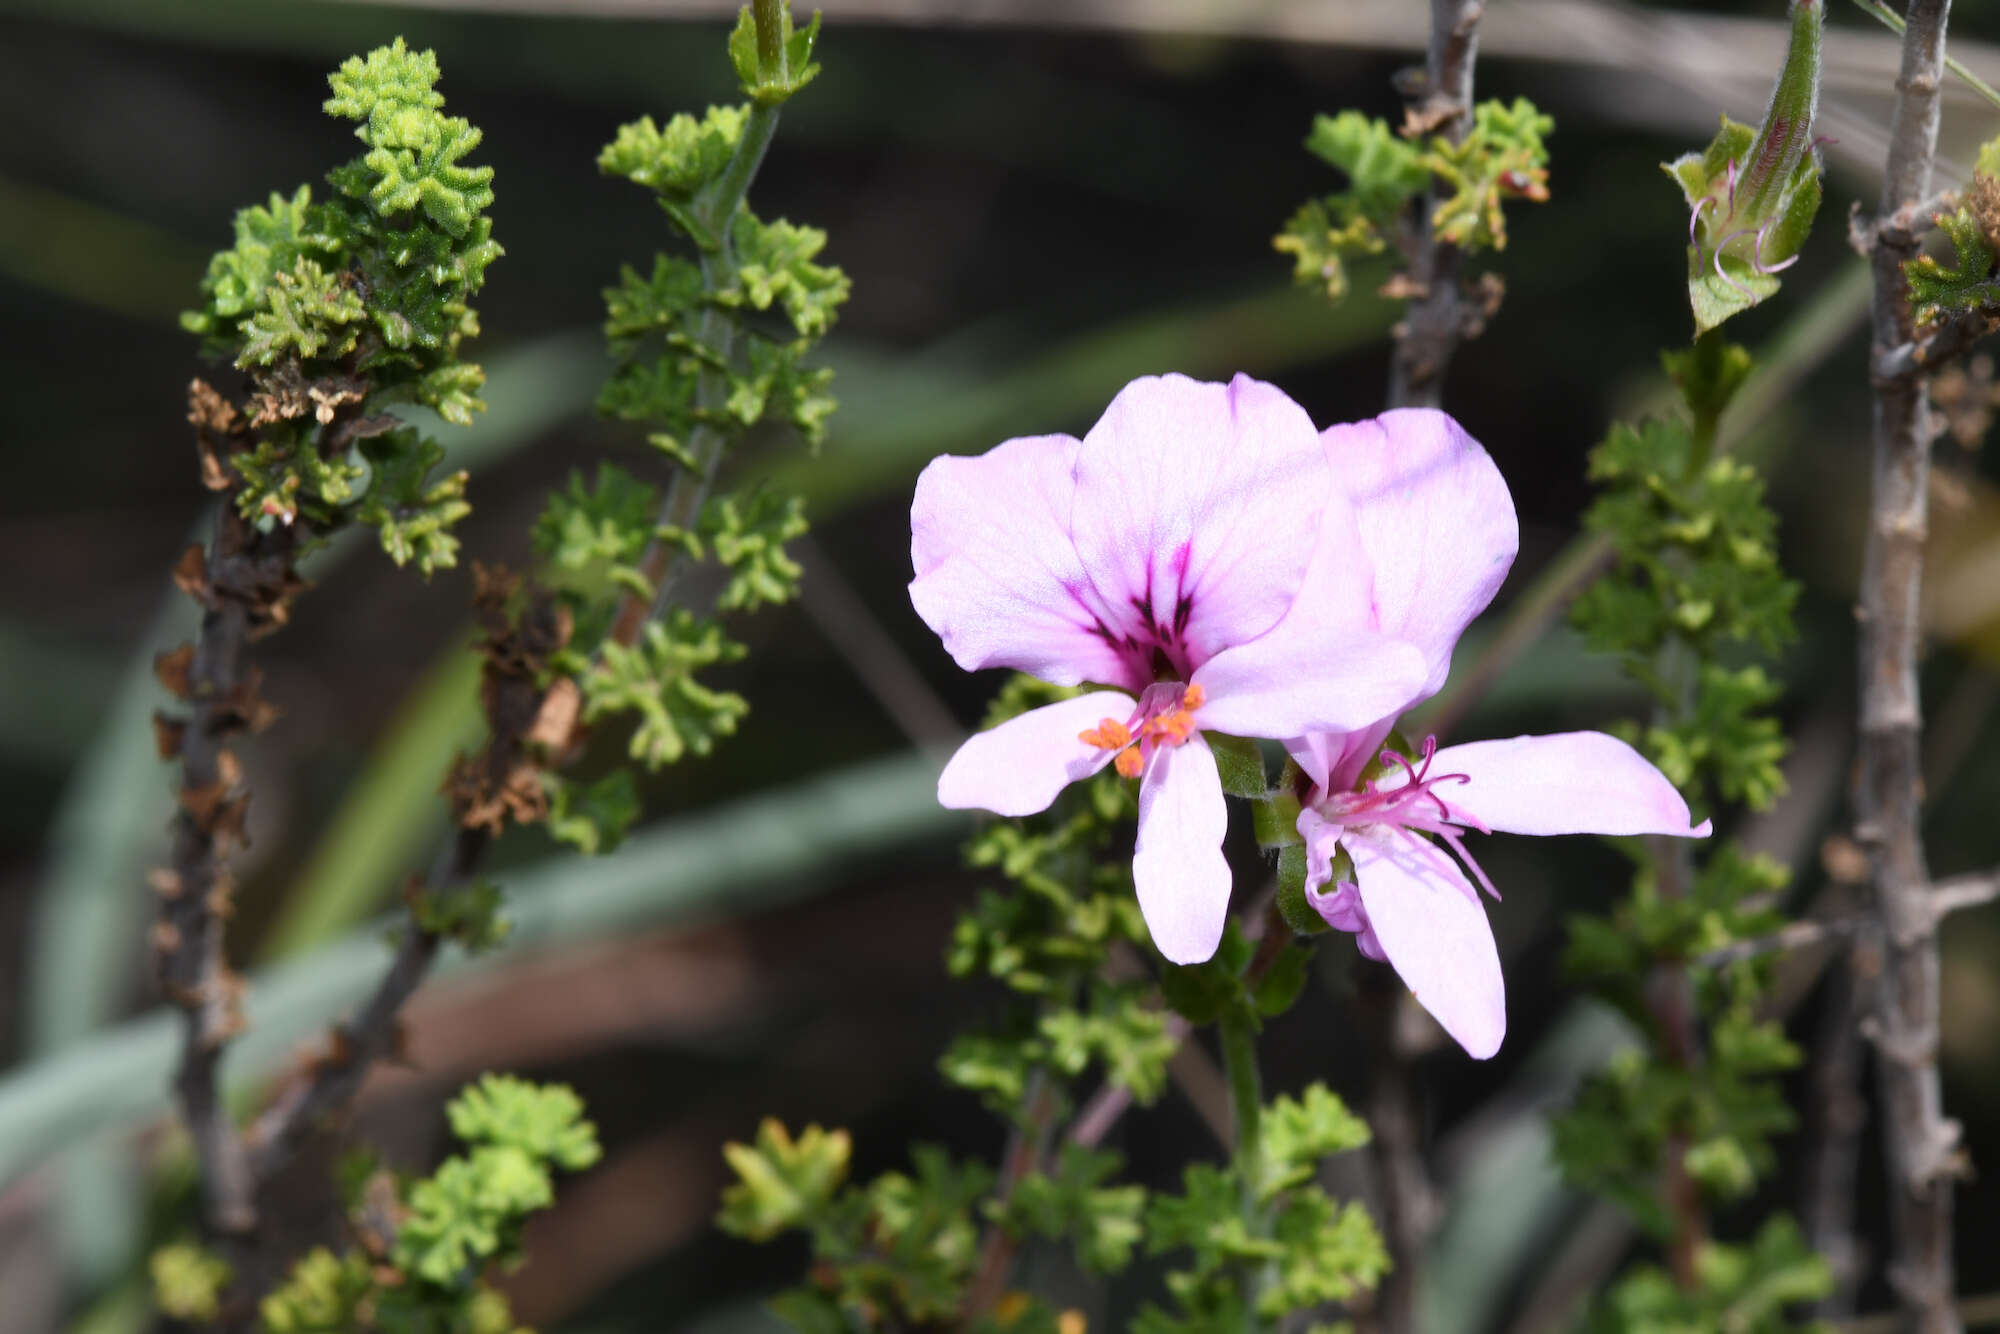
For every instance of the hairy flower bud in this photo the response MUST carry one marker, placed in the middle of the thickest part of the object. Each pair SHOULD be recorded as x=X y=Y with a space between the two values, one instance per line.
x=1753 y=191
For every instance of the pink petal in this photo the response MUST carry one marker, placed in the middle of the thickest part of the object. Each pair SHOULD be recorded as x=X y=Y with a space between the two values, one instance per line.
x=1177 y=865
x=1435 y=520
x=1431 y=925
x=1018 y=767
x=1289 y=684
x=1322 y=837
x=1196 y=506
x=997 y=576
x=1334 y=760
x=1568 y=783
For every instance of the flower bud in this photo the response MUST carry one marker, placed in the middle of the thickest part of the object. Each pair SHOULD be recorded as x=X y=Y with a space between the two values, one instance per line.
x=1753 y=191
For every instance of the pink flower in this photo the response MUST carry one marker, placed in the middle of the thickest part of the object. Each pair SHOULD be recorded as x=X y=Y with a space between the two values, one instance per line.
x=1191 y=553
x=1437 y=525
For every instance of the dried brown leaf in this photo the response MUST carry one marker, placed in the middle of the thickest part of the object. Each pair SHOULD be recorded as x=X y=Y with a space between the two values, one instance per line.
x=171 y=669
x=168 y=731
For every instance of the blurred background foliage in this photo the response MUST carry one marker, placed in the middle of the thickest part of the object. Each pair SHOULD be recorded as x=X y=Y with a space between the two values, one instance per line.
x=1035 y=203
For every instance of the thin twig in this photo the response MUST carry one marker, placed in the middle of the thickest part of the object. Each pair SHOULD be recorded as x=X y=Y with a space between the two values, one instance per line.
x=1894 y=22
x=1027 y=1152
x=234 y=583
x=1921 y=1146
x=1895 y=363
x=1439 y=315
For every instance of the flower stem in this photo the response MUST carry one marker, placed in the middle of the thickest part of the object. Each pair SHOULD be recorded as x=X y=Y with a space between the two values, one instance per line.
x=1246 y=1103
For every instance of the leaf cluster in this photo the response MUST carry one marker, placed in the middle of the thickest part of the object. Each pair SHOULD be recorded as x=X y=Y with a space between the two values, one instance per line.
x=1937 y=291
x=342 y=306
x=900 y=1248
x=654 y=681
x=427 y=1245
x=709 y=344
x=1502 y=156
x=1697 y=567
x=1275 y=1245
x=1742 y=1289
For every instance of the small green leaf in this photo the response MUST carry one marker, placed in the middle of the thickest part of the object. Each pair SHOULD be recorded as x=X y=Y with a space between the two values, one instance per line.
x=188 y=1282
x=680 y=158
x=1969 y=284
x=592 y=819
x=543 y=1121
x=782 y=1183
x=1299 y=1132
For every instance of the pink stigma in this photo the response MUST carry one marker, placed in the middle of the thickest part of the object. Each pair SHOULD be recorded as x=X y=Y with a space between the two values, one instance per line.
x=1412 y=808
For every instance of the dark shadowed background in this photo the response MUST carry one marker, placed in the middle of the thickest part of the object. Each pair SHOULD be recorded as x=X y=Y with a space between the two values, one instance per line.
x=1035 y=202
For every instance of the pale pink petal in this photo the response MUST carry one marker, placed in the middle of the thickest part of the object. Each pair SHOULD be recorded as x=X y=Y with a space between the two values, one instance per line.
x=1435 y=520
x=1431 y=925
x=1018 y=767
x=1322 y=837
x=1568 y=783
x=1334 y=760
x=1177 y=865
x=1286 y=685
x=1196 y=507
x=1343 y=911
x=996 y=574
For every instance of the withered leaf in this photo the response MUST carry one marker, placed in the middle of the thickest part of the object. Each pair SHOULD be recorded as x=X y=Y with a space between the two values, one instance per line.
x=167 y=734
x=171 y=669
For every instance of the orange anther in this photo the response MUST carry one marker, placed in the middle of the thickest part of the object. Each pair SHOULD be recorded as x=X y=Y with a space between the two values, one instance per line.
x=1109 y=734
x=1193 y=697
x=1129 y=763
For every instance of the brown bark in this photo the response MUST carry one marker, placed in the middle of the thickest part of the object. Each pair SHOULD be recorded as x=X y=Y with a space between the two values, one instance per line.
x=1921 y=1145
x=1439 y=313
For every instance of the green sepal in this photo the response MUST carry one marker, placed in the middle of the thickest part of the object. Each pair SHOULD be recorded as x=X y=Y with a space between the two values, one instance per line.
x=1294 y=904
x=1754 y=192
x=771 y=87
x=1276 y=818
x=1239 y=763
x=1278 y=989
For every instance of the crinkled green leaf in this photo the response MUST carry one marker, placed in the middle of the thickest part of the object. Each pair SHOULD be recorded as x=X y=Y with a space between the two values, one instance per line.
x=543 y=1121
x=413 y=512
x=1935 y=290
x=748 y=536
x=593 y=818
x=782 y=1182
x=655 y=680
x=775 y=265
x=1503 y=156
x=1299 y=1132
